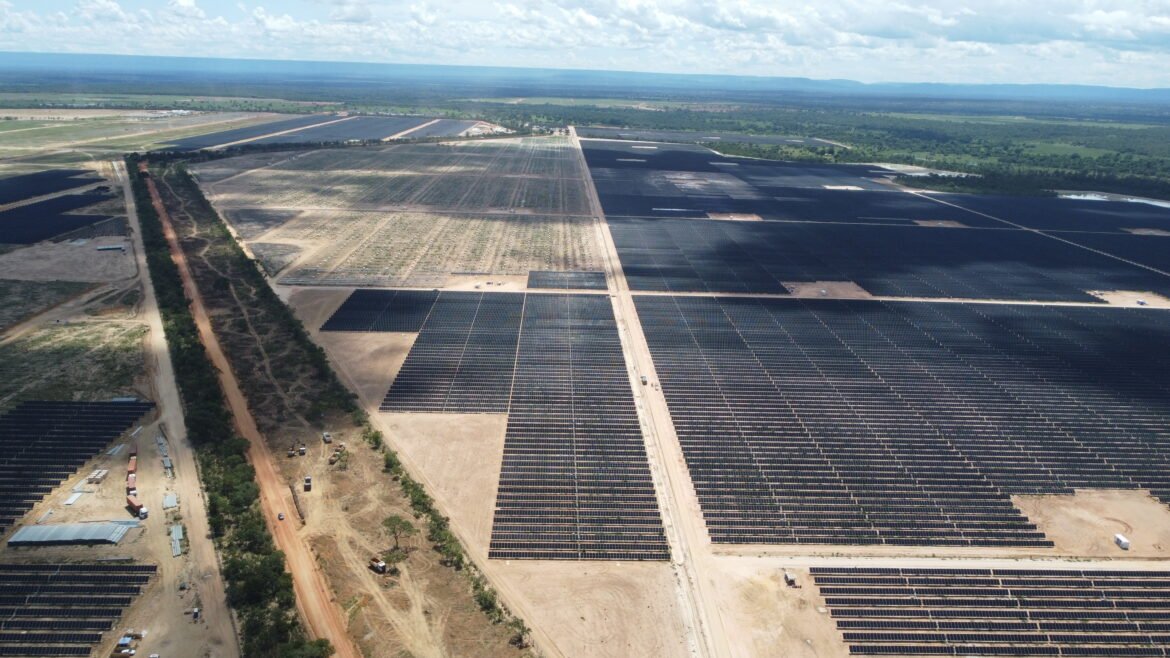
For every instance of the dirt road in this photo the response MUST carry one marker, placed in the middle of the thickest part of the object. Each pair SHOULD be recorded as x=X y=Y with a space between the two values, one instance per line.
x=219 y=631
x=688 y=545
x=323 y=618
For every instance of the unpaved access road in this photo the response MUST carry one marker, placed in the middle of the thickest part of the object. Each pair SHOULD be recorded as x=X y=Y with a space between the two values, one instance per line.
x=323 y=618
x=219 y=632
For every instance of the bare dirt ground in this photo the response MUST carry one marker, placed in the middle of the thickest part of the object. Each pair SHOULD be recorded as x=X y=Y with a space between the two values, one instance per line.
x=69 y=261
x=827 y=289
x=613 y=609
x=1131 y=298
x=1084 y=523
x=770 y=619
x=421 y=611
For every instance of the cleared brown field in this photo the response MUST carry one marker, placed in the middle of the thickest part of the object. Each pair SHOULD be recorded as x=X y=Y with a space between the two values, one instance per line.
x=410 y=214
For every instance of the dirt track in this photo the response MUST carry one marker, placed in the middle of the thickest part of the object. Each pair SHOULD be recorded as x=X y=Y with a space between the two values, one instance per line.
x=323 y=618
x=219 y=631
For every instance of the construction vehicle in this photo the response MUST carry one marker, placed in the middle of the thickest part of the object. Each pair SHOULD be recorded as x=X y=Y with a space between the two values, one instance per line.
x=136 y=507
x=377 y=565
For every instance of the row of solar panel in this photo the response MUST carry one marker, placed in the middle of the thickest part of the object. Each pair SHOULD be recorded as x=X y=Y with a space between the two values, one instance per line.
x=911 y=414
x=45 y=442
x=963 y=611
x=564 y=435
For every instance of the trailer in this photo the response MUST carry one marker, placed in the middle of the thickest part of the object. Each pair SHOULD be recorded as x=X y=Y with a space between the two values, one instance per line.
x=132 y=467
x=136 y=507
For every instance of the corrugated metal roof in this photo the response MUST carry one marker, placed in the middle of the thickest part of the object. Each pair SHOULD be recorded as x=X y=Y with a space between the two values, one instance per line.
x=73 y=498
x=170 y=500
x=176 y=540
x=107 y=532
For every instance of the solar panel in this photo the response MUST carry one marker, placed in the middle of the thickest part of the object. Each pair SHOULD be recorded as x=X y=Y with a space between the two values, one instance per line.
x=44 y=442
x=868 y=422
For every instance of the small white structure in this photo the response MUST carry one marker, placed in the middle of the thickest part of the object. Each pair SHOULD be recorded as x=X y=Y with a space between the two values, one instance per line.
x=1121 y=541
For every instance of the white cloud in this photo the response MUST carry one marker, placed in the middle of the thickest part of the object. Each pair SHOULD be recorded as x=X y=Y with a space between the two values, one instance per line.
x=1088 y=41
x=185 y=9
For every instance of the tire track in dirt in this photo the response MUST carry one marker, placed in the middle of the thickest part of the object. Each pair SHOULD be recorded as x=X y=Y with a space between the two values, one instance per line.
x=322 y=617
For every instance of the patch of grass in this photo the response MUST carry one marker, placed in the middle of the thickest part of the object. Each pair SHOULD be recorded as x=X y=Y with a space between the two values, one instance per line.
x=20 y=300
x=80 y=361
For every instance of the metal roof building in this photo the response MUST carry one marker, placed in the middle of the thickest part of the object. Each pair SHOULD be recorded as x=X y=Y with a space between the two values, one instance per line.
x=104 y=532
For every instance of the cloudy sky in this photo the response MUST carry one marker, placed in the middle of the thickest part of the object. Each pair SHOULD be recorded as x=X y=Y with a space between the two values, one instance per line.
x=1114 y=42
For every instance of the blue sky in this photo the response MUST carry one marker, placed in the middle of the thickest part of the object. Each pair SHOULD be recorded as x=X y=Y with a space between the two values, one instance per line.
x=1113 y=42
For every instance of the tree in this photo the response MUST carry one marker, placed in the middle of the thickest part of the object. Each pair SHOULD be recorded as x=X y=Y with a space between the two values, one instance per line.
x=398 y=527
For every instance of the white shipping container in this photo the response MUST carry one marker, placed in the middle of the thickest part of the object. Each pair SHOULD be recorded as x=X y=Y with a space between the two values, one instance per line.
x=1121 y=541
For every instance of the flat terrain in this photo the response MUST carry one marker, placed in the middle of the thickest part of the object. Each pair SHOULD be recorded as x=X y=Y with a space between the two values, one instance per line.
x=427 y=609
x=850 y=375
x=684 y=136
x=409 y=215
x=87 y=134
x=105 y=339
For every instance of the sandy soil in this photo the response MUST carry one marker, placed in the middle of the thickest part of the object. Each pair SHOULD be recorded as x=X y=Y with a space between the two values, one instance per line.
x=827 y=289
x=463 y=468
x=487 y=282
x=1085 y=522
x=766 y=618
x=599 y=609
x=1131 y=298
x=369 y=361
x=68 y=261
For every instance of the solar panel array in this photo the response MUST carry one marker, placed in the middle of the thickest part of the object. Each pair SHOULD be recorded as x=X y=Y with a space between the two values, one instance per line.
x=41 y=183
x=42 y=220
x=998 y=612
x=44 y=443
x=866 y=422
x=584 y=280
x=382 y=310
x=463 y=358
x=63 y=609
x=575 y=482
x=680 y=255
